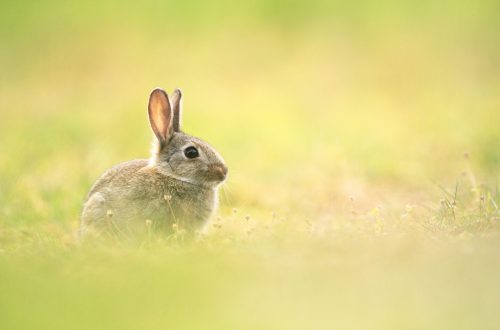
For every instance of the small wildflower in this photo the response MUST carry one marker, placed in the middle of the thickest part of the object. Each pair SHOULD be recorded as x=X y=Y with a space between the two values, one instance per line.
x=167 y=197
x=175 y=226
x=109 y=213
x=375 y=211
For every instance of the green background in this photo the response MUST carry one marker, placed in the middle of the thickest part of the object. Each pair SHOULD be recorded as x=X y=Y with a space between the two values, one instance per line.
x=363 y=146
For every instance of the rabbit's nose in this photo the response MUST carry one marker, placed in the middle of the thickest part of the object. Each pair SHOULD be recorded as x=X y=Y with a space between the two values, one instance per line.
x=224 y=170
x=218 y=172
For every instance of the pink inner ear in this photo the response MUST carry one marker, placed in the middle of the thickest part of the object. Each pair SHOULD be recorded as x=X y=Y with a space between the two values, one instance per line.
x=159 y=114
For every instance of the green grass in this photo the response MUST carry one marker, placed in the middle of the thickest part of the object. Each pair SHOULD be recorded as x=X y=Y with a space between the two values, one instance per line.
x=363 y=148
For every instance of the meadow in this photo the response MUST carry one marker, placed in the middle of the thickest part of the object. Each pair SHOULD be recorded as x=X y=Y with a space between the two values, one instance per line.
x=363 y=146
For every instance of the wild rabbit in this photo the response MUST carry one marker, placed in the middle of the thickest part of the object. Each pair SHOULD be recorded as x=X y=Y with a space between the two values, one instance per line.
x=175 y=188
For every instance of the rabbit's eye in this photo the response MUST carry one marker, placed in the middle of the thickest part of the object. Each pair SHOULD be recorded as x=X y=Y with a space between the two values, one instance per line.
x=191 y=152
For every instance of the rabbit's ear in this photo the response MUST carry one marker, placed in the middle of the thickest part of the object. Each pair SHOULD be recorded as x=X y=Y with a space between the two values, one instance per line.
x=177 y=109
x=160 y=115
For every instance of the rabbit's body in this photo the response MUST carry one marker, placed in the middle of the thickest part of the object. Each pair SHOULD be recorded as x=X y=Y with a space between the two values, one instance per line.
x=129 y=194
x=172 y=187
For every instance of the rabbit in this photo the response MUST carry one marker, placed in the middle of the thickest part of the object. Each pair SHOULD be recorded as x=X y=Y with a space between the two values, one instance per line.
x=176 y=188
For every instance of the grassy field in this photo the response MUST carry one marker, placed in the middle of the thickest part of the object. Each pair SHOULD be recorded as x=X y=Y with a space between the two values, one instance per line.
x=363 y=145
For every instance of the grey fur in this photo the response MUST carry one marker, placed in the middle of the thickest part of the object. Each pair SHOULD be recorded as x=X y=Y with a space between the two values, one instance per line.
x=167 y=189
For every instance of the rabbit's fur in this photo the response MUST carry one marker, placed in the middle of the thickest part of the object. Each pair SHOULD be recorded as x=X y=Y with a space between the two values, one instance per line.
x=167 y=191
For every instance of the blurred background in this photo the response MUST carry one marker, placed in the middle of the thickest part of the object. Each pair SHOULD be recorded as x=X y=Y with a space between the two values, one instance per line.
x=330 y=114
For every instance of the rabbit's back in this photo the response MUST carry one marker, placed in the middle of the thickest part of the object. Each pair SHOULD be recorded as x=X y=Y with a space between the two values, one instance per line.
x=116 y=175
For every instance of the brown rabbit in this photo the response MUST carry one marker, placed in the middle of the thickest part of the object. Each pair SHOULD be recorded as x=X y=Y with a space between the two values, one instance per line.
x=176 y=187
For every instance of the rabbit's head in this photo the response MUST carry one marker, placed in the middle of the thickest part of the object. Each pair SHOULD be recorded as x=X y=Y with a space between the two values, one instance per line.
x=177 y=154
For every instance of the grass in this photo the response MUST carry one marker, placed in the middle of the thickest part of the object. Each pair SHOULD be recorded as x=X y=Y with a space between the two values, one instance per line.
x=363 y=149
